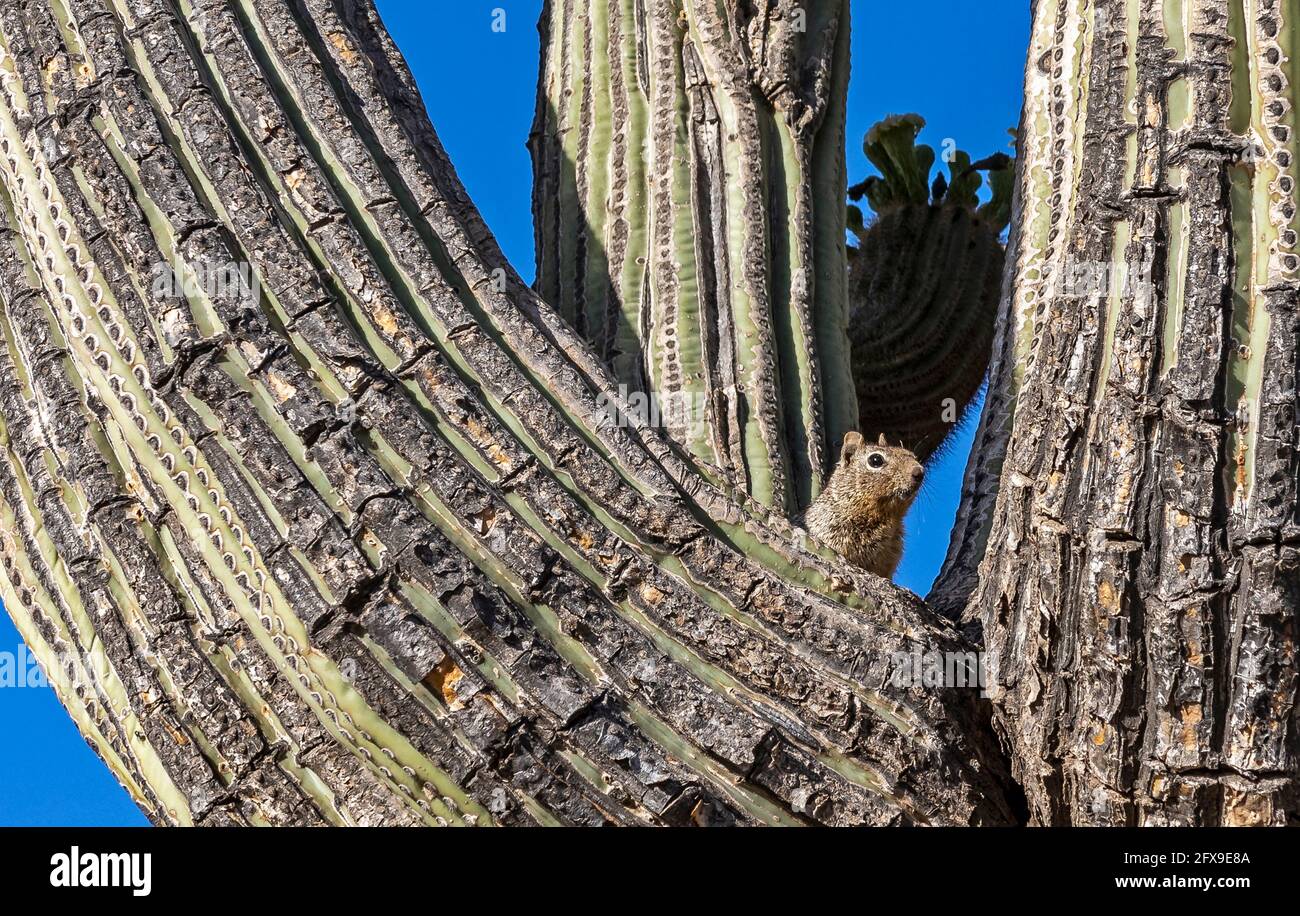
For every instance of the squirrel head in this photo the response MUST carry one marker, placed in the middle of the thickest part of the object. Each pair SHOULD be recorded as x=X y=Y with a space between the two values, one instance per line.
x=888 y=476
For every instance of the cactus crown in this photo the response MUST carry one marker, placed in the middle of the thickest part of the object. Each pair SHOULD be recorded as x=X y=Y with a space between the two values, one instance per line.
x=890 y=145
x=924 y=281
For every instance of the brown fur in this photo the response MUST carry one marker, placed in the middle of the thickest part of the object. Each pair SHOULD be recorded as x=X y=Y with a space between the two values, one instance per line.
x=860 y=511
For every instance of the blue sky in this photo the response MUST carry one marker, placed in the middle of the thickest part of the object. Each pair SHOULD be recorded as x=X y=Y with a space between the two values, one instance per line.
x=479 y=87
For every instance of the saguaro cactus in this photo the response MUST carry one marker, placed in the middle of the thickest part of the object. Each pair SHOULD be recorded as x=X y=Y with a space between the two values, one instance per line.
x=924 y=285
x=348 y=537
x=345 y=536
x=690 y=220
x=1139 y=590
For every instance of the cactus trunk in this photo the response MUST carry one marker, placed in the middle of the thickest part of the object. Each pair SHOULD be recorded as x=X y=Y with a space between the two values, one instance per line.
x=1139 y=590
x=689 y=208
x=315 y=513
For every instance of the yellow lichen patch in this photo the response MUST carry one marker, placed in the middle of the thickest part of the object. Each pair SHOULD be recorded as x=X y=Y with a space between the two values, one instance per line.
x=386 y=320
x=1246 y=809
x=344 y=47
x=52 y=66
x=1190 y=714
x=480 y=435
x=1239 y=460
x=442 y=680
x=651 y=594
x=477 y=431
x=1107 y=597
x=1099 y=738
x=177 y=735
x=295 y=178
x=279 y=387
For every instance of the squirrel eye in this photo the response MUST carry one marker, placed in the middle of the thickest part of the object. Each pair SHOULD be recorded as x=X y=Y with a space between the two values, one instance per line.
x=876 y=460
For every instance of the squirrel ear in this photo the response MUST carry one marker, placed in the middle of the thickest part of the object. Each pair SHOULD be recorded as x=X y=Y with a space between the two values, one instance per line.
x=882 y=440
x=852 y=442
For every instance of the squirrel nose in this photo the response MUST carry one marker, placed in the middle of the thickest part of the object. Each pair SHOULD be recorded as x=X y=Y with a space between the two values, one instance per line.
x=918 y=473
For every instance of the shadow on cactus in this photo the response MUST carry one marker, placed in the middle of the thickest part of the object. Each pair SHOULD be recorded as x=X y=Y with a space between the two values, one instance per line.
x=924 y=281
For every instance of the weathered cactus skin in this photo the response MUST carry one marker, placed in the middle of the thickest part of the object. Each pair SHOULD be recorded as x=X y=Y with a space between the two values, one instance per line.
x=357 y=544
x=924 y=284
x=689 y=169
x=366 y=550
x=1127 y=537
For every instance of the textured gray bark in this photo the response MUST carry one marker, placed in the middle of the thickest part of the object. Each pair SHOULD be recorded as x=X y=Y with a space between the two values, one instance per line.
x=365 y=548
x=1138 y=596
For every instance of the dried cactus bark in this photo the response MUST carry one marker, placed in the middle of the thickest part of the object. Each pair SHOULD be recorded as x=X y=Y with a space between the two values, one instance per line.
x=1138 y=596
x=365 y=549
x=354 y=542
x=688 y=200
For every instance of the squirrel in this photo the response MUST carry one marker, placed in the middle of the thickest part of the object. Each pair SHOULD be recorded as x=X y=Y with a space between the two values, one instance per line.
x=859 y=512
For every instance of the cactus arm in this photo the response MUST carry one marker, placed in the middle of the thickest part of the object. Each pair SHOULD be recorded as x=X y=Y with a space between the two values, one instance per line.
x=744 y=313
x=374 y=551
x=923 y=286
